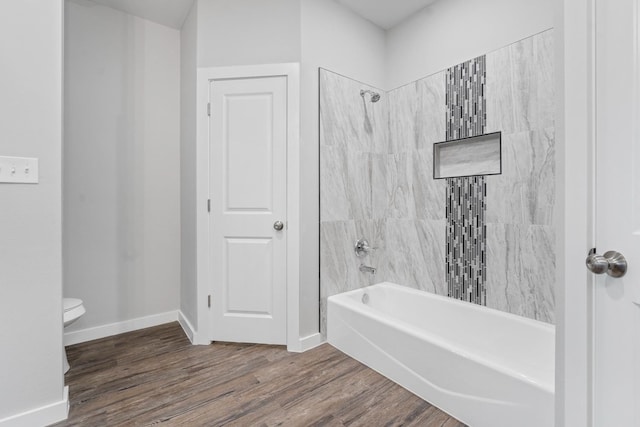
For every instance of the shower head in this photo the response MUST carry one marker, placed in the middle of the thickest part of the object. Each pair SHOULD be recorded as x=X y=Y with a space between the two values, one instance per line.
x=375 y=96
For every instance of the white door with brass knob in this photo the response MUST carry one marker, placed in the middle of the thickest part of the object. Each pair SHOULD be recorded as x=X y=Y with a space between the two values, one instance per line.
x=616 y=262
x=248 y=183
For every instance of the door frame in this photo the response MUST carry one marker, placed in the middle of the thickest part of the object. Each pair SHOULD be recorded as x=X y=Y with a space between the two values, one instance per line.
x=576 y=113
x=203 y=276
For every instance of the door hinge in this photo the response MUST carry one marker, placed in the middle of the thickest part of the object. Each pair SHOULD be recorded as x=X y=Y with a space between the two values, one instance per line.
x=209 y=205
x=209 y=109
x=209 y=301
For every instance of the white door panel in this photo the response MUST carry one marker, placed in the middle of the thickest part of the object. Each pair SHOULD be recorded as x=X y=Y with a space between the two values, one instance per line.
x=241 y=296
x=616 y=356
x=248 y=146
x=248 y=140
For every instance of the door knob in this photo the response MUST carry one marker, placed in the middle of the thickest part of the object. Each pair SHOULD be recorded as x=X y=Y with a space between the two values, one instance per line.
x=278 y=225
x=613 y=263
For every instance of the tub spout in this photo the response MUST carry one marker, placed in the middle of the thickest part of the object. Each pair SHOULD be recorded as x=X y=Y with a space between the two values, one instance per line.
x=367 y=269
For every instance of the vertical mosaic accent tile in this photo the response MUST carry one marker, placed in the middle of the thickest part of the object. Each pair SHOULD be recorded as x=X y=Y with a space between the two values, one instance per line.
x=466 y=239
x=466 y=208
x=466 y=103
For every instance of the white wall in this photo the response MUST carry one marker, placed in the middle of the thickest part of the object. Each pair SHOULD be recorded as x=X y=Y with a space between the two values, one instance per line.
x=334 y=38
x=30 y=217
x=452 y=31
x=248 y=32
x=188 y=203
x=122 y=167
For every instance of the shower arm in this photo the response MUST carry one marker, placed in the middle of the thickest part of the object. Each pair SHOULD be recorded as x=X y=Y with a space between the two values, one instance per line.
x=375 y=96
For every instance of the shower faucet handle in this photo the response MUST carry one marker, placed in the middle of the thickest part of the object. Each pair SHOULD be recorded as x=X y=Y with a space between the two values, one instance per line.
x=362 y=248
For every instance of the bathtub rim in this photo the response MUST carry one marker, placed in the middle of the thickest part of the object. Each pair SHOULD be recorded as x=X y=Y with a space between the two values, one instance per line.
x=345 y=300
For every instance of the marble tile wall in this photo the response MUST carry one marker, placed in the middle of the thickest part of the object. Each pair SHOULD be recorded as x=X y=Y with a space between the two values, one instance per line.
x=380 y=186
x=354 y=145
x=521 y=201
x=376 y=182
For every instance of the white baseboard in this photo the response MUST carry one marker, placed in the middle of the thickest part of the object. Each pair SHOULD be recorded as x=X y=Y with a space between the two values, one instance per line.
x=191 y=332
x=186 y=326
x=311 y=341
x=43 y=416
x=97 y=332
x=198 y=339
x=306 y=343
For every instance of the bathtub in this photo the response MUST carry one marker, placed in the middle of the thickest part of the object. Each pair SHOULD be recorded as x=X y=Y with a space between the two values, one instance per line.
x=482 y=366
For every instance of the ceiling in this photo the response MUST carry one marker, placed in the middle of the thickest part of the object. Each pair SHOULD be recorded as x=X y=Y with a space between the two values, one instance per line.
x=386 y=13
x=171 y=13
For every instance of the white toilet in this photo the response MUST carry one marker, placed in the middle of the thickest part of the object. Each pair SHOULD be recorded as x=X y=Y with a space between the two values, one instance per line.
x=73 y=309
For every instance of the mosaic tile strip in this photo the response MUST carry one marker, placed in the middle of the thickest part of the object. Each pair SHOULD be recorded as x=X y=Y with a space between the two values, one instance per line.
x=466 y=239
x=466 y=208
x=465 y=98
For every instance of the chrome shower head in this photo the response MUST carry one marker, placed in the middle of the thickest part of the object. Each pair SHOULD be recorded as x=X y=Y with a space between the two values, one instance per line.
x=375 y=96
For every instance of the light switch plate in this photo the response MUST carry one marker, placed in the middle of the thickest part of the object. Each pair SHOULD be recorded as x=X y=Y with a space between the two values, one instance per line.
x=18 y=170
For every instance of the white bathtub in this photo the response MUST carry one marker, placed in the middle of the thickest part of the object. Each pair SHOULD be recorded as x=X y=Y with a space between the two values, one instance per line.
x=484 y=367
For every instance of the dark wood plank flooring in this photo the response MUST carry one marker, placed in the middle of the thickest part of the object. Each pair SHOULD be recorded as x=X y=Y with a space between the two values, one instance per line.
x=155 y=376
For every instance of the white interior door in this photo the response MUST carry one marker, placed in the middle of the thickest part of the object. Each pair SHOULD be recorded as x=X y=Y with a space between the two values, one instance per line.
x=616 y=341
x=248 y=149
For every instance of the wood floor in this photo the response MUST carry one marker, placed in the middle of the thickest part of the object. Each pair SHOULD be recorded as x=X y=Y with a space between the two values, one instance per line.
x=155 y=376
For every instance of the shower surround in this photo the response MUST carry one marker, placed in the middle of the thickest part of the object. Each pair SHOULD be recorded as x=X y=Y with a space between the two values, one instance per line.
x=376 y=166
